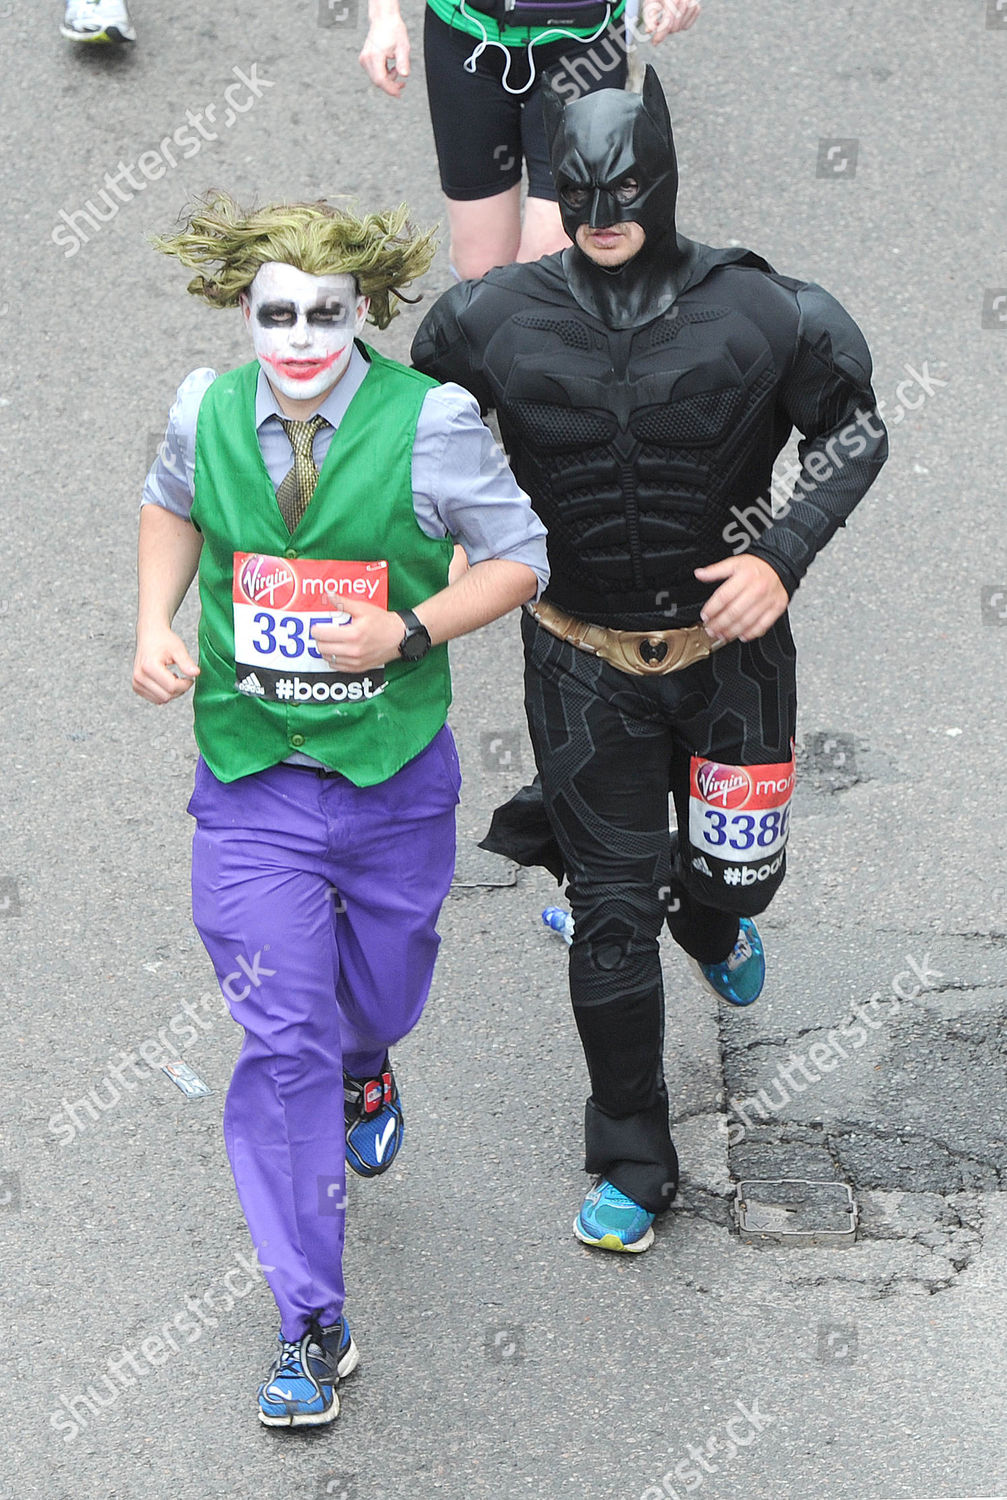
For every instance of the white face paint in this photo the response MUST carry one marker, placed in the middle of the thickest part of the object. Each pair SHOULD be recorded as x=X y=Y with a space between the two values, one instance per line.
x=302 y=328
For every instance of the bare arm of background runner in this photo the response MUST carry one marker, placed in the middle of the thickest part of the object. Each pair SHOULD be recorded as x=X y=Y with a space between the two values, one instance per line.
x=385 y=54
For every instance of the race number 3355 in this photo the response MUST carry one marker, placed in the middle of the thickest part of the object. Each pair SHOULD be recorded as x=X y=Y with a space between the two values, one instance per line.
x=277 y=602
x=739 y=813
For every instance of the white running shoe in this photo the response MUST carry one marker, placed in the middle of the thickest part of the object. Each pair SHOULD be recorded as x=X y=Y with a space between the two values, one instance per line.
x=97 y=21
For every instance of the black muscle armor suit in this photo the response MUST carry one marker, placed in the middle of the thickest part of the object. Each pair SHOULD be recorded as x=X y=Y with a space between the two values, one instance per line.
x=642 y=409
x=638 y=446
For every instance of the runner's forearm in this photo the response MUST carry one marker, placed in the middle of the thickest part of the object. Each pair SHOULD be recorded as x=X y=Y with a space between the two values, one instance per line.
x=167 y=559
x=486 y=591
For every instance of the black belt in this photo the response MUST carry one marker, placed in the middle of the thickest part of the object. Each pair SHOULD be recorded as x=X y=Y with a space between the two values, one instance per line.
x=296 y=765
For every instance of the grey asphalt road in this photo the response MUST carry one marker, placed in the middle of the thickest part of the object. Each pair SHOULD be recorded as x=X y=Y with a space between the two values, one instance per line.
x=857 y=144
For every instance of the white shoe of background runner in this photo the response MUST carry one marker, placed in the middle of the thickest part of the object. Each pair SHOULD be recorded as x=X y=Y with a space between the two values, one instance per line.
x=97 y=21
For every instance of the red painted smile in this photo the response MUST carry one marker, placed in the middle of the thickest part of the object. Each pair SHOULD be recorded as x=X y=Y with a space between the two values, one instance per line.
x=303 y=369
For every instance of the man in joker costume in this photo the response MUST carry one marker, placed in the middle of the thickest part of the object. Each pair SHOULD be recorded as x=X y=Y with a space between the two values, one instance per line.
x=318 y=490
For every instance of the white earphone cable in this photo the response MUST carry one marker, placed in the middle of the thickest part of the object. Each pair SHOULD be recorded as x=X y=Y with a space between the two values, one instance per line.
x=471 y=62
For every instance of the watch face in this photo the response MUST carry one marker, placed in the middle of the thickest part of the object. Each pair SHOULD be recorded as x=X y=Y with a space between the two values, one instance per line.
x=415 y=646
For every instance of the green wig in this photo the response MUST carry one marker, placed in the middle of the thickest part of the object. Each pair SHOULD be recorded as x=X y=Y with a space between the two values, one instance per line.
x=383 y=252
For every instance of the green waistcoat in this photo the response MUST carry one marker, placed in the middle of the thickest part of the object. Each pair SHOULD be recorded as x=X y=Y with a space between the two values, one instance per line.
x=361 y=510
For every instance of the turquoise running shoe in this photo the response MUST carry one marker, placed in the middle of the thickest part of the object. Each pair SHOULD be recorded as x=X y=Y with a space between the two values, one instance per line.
x=739 y=979
x=300 y=1389
x=612 y=1221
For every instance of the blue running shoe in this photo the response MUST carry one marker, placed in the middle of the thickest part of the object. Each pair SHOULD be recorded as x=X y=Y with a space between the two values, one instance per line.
x=741 y=976
x=374 y=1123
x=300 y=1389
x=612 y=1221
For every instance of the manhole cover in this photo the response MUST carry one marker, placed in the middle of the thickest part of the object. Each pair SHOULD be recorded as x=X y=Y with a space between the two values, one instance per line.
x=795 y=1211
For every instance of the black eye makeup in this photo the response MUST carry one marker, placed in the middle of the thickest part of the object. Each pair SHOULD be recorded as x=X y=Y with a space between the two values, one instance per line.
x=284 y=314
x=327 y=312
x=275 y=314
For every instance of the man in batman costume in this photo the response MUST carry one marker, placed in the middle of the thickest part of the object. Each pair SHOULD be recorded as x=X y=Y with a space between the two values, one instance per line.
x=644 y=385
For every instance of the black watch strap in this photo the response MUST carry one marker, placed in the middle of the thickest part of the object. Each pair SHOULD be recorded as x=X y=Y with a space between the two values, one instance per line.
x=416 y=642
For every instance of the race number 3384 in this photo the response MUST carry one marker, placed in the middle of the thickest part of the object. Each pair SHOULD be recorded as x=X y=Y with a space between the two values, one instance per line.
x=739 y=813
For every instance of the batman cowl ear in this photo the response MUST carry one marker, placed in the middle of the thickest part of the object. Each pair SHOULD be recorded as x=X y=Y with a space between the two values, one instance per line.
x=655 y=103
x=552 y=109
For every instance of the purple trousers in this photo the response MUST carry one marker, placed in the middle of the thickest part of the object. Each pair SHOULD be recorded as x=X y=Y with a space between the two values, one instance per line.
x=317 y=902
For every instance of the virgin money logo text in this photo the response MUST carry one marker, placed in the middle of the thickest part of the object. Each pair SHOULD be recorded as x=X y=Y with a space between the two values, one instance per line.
x=723 y=786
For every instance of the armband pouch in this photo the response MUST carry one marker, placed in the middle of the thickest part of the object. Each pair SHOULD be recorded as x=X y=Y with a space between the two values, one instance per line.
x=585 y=15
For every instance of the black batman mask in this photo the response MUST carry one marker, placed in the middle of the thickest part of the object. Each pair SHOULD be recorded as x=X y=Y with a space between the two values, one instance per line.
x=613 y=161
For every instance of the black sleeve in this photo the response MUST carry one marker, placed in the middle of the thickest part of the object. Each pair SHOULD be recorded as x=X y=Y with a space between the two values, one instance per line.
x=444 y=346
x=827 y=396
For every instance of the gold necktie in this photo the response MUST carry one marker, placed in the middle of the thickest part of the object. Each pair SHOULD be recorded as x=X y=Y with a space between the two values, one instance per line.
x=298 y=487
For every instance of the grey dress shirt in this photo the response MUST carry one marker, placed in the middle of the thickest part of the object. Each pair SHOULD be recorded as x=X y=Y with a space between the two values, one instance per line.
x=462 y=483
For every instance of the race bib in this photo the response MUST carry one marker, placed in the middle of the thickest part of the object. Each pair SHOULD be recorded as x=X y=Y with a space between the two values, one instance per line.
x=739 y=814
x=277 y=601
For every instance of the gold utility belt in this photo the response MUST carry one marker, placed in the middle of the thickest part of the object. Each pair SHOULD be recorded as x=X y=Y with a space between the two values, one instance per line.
x=644 y=653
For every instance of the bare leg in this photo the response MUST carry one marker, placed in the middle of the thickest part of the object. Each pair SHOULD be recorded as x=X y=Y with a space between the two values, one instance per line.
x=485 y=232
x=542 y=232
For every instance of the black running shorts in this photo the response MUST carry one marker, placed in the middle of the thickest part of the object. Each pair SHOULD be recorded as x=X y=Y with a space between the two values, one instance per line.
x=483 y=133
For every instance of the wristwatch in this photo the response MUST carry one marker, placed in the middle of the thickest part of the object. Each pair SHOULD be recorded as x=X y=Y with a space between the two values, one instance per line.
x=416 y=642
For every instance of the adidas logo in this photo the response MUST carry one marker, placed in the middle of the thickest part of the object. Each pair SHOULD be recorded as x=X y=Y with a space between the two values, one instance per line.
x=251 y=684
